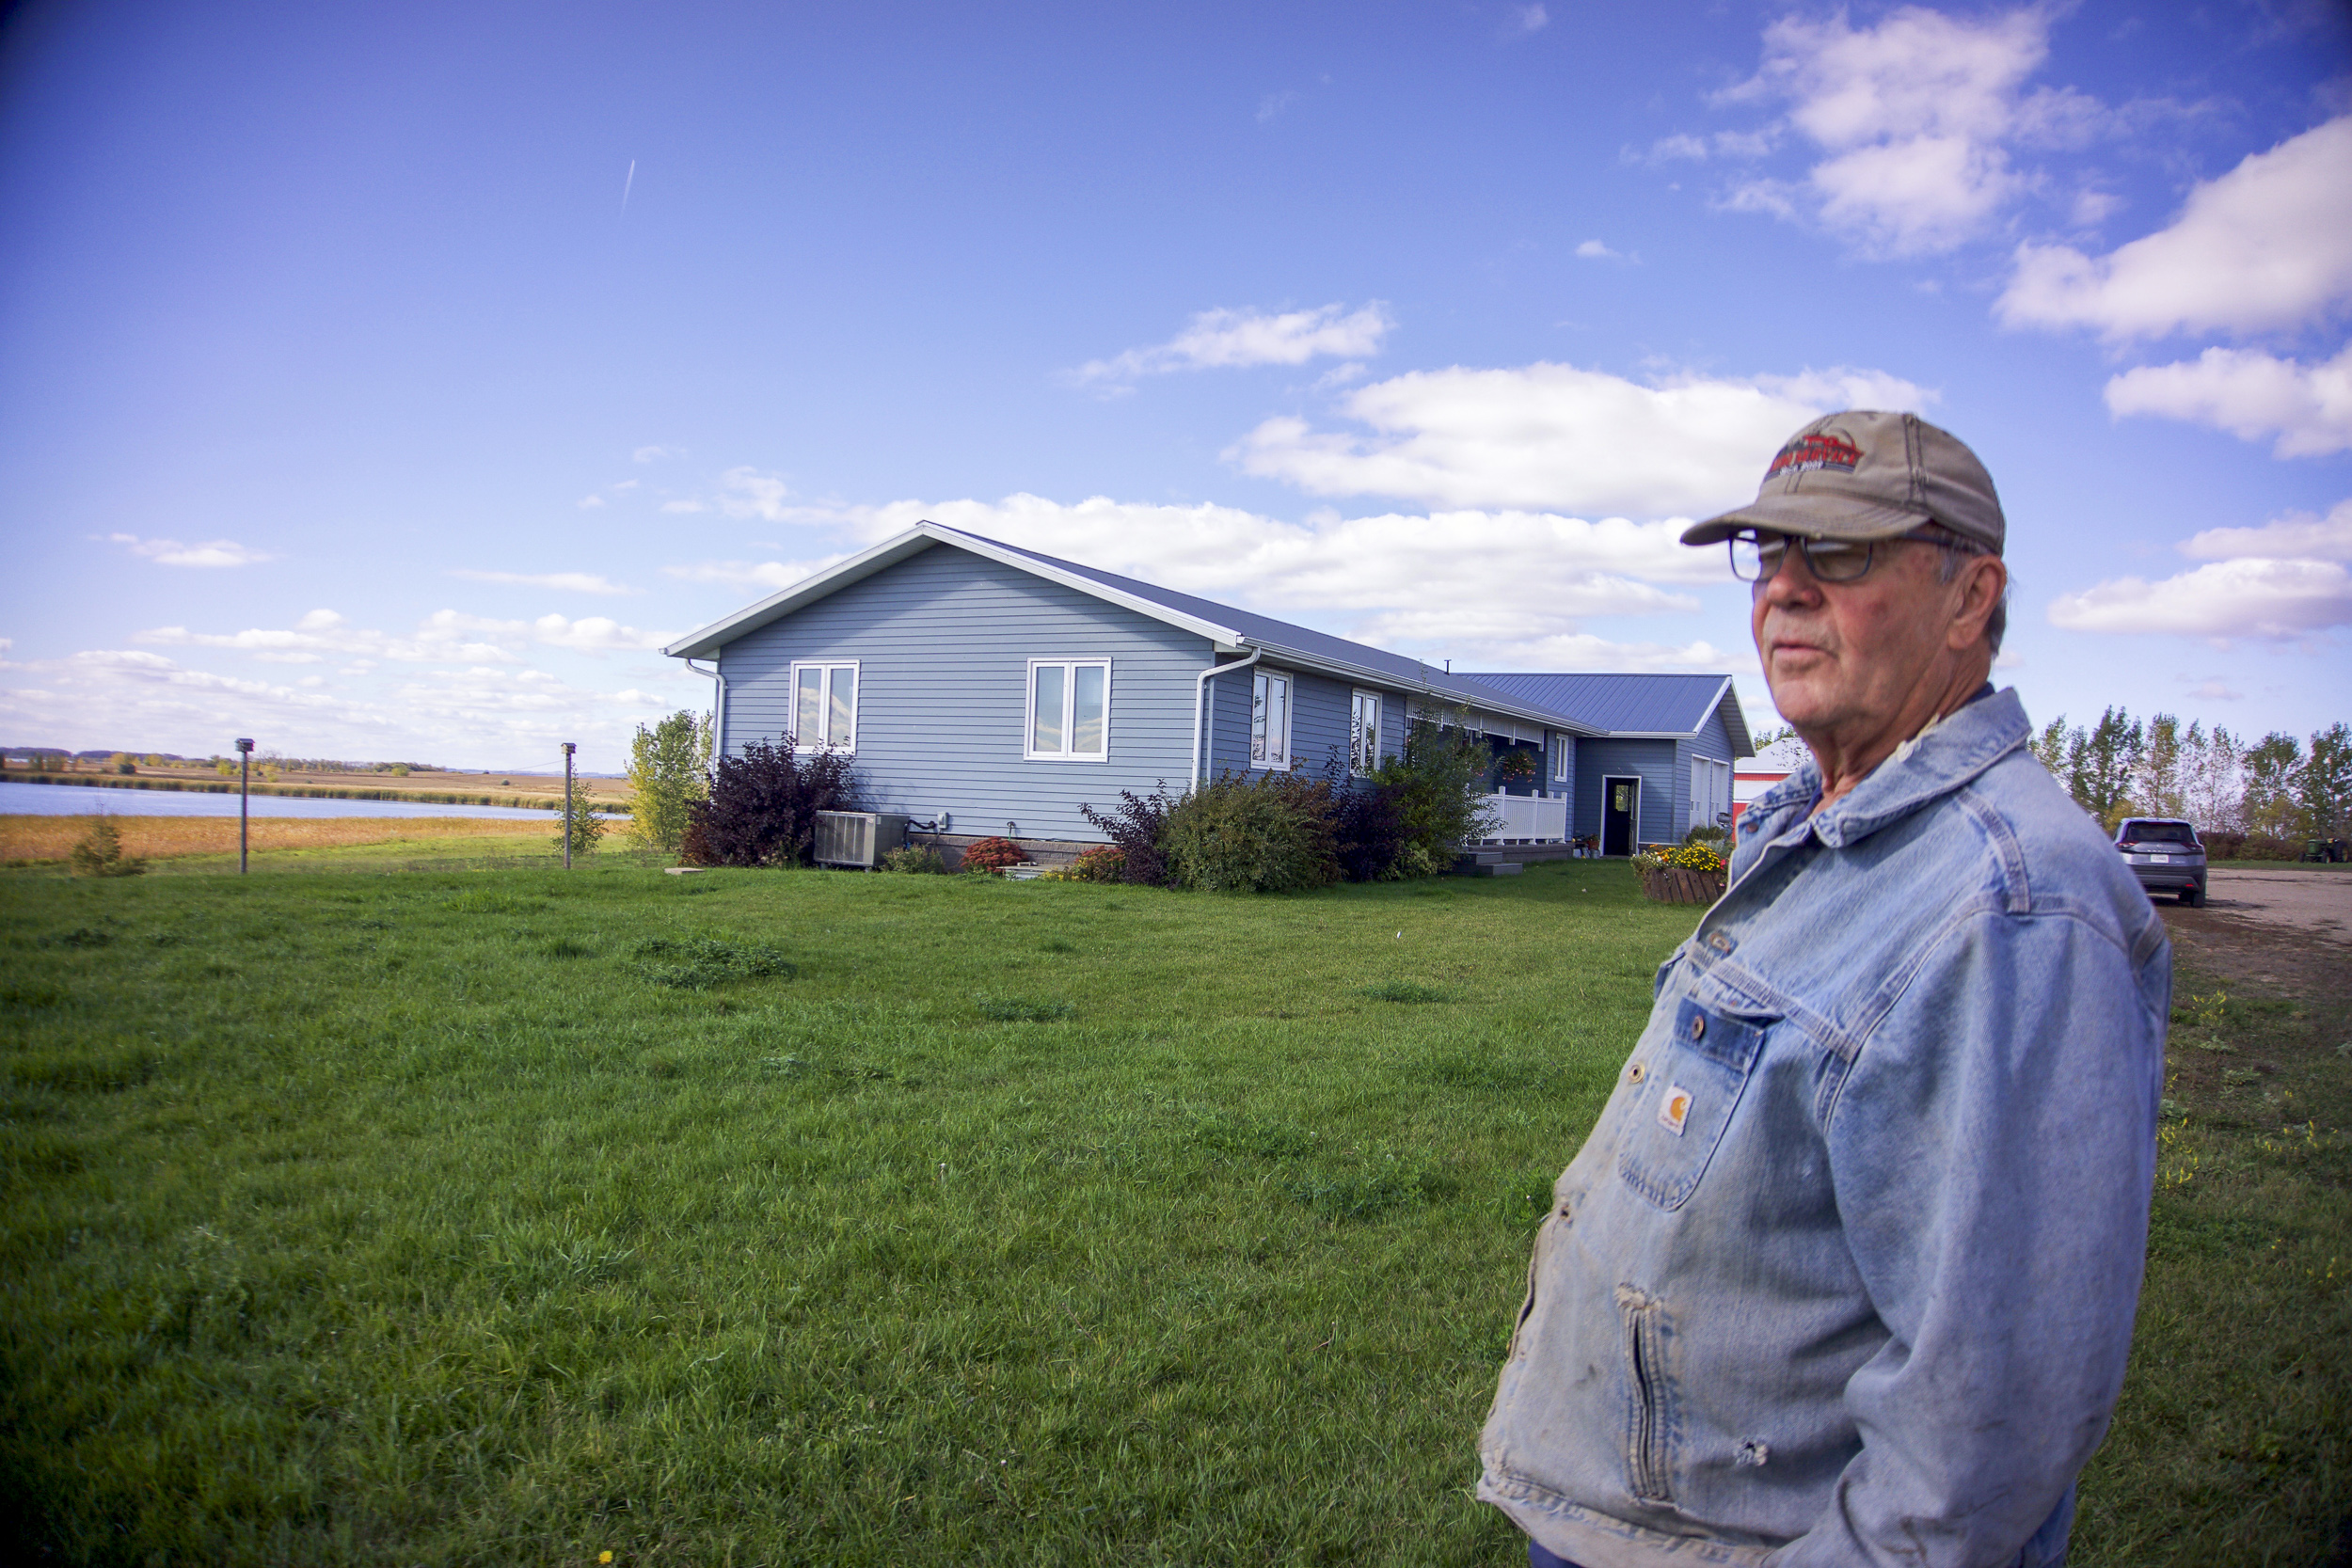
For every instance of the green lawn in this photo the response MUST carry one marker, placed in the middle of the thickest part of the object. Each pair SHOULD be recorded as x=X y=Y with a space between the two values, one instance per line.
x=478 y=1217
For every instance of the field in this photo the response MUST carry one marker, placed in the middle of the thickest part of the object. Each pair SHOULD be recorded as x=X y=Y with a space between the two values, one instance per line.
x=286 y=842
x=805 y=1217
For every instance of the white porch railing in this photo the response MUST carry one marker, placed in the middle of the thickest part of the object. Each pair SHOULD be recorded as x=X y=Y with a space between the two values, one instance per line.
x=1526 y=818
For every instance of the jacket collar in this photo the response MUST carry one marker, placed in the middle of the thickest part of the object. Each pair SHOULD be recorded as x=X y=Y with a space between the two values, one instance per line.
x=1934 y=763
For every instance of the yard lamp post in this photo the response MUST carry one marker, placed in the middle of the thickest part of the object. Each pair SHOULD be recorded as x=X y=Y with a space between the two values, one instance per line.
x=244 y=786
x=568 y=748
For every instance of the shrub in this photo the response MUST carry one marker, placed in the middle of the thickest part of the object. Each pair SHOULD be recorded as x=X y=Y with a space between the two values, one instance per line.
x=992 y=855
x=666 y=778
x=1431 y=783
x=1708 y=833
x=2220 y=845
x=762 y=806
x=2270 y=846
x=1267 y=832
x=917 y=859
x=1136 y=827
x=1367 y=829
x=586 y=829
x=100 y=853
x=1102 y=863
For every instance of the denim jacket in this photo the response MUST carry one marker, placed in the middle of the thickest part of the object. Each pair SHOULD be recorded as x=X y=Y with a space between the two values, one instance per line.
x=1845 y=1272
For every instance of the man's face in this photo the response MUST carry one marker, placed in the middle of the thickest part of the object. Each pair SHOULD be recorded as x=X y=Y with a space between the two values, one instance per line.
x=1847 y=654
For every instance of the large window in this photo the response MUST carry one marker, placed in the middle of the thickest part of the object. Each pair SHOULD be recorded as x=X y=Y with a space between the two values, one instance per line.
x=825 y=707
x=1069 y=709
x=1269 y=720
x=1363 y=732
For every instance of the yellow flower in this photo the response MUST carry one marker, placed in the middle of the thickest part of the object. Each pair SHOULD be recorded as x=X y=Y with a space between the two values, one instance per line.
x=604 y=1557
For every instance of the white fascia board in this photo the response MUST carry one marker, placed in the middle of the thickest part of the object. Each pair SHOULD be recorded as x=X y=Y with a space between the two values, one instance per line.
x=922 y=536
x=1743 y=741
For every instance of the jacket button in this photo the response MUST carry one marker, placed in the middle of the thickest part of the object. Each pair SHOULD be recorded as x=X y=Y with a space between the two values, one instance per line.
x=1698 y=1025
x=1638 y=1073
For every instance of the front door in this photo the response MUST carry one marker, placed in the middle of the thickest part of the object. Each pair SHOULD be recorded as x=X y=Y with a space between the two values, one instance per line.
x=1620 y=808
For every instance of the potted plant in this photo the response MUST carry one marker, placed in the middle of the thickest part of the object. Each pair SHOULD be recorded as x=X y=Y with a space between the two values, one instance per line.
x=1682 y=874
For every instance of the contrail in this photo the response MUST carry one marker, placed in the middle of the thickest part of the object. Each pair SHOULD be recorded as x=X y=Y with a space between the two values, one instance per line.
x=628 y=183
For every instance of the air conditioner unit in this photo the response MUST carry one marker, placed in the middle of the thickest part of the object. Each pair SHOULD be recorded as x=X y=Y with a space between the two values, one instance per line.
x=858 y=838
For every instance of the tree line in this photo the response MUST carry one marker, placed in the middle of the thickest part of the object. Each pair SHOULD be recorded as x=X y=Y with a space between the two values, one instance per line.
x=2275 y=790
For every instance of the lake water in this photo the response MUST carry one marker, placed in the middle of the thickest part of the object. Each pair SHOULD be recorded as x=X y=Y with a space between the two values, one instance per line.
x=25 y=800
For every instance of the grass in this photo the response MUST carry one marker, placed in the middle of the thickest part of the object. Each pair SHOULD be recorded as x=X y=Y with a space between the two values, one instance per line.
x=432 y=1219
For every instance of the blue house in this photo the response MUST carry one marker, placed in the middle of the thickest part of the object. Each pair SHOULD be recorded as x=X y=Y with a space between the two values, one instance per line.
x=996 y=690
x=1663 y=763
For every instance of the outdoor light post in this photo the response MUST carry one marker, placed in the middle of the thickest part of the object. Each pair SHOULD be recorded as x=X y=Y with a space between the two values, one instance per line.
x=568 y=748
x=244 y=786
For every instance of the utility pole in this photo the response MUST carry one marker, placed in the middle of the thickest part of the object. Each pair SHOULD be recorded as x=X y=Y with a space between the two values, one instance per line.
x=568 y=748
x=245 y=786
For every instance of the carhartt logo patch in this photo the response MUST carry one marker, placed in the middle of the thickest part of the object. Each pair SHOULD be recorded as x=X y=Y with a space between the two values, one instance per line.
x=1674 y=1109
x=1808 y=452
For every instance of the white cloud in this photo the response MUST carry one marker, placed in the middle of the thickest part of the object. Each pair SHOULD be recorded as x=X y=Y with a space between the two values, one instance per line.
x=587 y=502
x=593 y=634
x=445 y=636
x=2284 y=579
x=1529 y=19
x=1551 y=437
x=1217 y=339
x=1593 y=250
x=170 y=552
x=2296 y=534
x=569 y=582
x=2266 y=246
x=763 y=574
x=2215 y=690
x=682 y=506
x=2249 y=597
x=1273 y=103
x=653 y=454
x=745 y=492
x=1917 y=116
x=2250 y=394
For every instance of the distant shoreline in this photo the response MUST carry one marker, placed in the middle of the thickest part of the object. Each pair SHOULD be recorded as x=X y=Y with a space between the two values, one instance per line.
x=314 y=792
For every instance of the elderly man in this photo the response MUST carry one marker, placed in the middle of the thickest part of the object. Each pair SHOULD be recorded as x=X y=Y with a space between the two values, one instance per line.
x=1845 y=1272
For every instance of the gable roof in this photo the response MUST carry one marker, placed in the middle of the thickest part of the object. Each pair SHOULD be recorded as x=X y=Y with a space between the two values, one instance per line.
x=1230 y=629
x=1633 y=707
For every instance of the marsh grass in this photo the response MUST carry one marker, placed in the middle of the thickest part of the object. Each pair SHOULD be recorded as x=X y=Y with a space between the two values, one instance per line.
x=354 y=1218
x=31 y=840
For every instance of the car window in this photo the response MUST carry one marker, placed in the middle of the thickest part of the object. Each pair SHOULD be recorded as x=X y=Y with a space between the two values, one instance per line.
x=2158 y=832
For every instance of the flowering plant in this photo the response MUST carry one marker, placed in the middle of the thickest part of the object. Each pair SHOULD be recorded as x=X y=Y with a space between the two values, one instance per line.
x=992 y=855
x=1689 y=857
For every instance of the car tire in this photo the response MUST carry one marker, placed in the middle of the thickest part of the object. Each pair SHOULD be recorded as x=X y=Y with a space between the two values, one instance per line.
x=2194 y=897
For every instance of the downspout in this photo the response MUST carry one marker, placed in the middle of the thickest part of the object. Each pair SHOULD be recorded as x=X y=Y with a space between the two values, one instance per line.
x=1199 y=694
x=718 y=741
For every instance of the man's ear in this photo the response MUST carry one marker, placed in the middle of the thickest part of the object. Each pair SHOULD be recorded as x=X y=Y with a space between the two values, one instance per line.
x=1980 y=582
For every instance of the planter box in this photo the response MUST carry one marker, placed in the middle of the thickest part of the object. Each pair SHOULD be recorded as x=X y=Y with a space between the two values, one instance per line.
x=1673 y=886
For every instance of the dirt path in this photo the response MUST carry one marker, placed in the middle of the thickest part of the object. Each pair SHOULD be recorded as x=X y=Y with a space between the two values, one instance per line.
x=2318 y=903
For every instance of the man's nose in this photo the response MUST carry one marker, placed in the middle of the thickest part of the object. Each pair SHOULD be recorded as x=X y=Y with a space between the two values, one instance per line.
x=1793 y=584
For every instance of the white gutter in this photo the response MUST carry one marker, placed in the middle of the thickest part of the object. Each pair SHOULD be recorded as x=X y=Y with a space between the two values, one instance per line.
x=1199 y=694
x=718 y=741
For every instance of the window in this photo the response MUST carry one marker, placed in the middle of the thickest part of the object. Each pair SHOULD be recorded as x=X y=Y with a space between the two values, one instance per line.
x=1269 y=720
x=1070 y=710
x=1363 y=732
x=825 y=707
x=1563 y=754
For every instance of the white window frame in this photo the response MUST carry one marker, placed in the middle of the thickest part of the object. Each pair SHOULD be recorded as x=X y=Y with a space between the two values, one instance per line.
x=1360 y=758
x=1070 y=667
x=1278 y=757
x=800 y=743
x=1561 y=771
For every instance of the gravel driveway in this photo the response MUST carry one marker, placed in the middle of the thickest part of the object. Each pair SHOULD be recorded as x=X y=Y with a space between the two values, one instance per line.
x=2315 y=902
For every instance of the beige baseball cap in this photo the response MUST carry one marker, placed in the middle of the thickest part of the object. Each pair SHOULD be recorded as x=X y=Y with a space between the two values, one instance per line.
x=1868 y=475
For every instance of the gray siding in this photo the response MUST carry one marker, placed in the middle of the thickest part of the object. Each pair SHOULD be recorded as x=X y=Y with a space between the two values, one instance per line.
x=943 y=642
x=1655 y=762
x=1320 y=716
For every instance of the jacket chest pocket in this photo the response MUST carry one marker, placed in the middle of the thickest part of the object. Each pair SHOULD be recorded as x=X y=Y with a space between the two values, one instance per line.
x=1690 y=1087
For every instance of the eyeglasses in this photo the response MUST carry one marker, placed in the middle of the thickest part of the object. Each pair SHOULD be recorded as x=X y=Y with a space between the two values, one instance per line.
x=1757 y=556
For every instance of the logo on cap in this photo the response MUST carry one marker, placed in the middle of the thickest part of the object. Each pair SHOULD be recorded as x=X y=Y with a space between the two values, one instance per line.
x=1808 y=452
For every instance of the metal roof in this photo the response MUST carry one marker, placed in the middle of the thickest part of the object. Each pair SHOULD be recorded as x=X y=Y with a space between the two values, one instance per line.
x=1230 y=629
x=1632 y=704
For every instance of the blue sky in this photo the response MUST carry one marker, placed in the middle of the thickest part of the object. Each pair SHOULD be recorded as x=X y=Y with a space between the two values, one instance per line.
x=391 y=380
